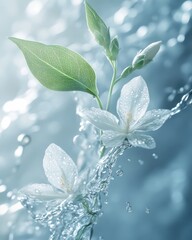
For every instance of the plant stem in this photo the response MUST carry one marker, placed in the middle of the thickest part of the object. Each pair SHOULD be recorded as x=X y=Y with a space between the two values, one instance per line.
x=99 y=102
x=118 y=79
x=112 y=83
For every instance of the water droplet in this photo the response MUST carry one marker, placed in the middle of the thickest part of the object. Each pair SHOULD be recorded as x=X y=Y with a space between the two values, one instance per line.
x=106 y=193
x=155 y=156
x=9 y=194
x=147 y=210
x=119 y=172
x=128 y=207
x=19 y=151
x=23 y=139
x=112 y=178
x=141 y=162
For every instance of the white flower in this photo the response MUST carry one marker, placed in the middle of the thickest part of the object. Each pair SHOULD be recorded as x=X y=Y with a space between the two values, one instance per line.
x=134 y=119
x=60 y=171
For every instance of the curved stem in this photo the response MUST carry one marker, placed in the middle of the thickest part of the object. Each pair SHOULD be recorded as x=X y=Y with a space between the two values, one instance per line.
x=118 y=79
x=112 y=84
x=99 y=102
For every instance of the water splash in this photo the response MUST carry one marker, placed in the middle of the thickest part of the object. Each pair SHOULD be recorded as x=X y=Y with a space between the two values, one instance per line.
x=186 y=100
x=74 y=218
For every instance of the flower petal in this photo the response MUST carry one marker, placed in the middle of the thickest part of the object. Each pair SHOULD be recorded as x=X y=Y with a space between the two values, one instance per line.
x=42 y=192
x=59 y=168
x=112 y=138
x=101 y=119
x=141 y=140
x=133 y=101
x=152 y=120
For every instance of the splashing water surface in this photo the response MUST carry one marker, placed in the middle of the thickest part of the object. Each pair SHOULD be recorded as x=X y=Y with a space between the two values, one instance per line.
x=75 y=218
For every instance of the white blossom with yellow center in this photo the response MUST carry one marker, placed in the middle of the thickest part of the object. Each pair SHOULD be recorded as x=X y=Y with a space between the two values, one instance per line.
x=134 y=119
x=60 y=171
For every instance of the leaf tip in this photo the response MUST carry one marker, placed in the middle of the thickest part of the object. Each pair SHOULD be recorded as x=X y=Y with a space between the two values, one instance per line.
x=11 y=39
x=14 y=40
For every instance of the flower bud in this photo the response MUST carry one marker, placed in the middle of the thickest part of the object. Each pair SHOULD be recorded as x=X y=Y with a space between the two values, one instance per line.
x=146 y=55
x=114 y=49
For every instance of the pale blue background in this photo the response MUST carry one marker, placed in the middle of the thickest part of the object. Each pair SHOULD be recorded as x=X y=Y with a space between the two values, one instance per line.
x=163 y=185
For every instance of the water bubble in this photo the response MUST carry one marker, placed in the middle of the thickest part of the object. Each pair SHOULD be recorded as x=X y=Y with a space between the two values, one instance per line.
x=155 y=156
x=147 y=210
x=129 y=160
x=23 y=139
x=80 y=141
x=141 y=162
x=128 y=207
x=119 y=172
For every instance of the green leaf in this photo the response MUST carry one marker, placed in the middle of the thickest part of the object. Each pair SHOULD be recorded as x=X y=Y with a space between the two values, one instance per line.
x=128 y=70
x=58 y=68
x=97 y=27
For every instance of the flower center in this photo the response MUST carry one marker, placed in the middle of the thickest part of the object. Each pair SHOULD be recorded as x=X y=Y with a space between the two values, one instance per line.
x=65 y=185
x=129 y=119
